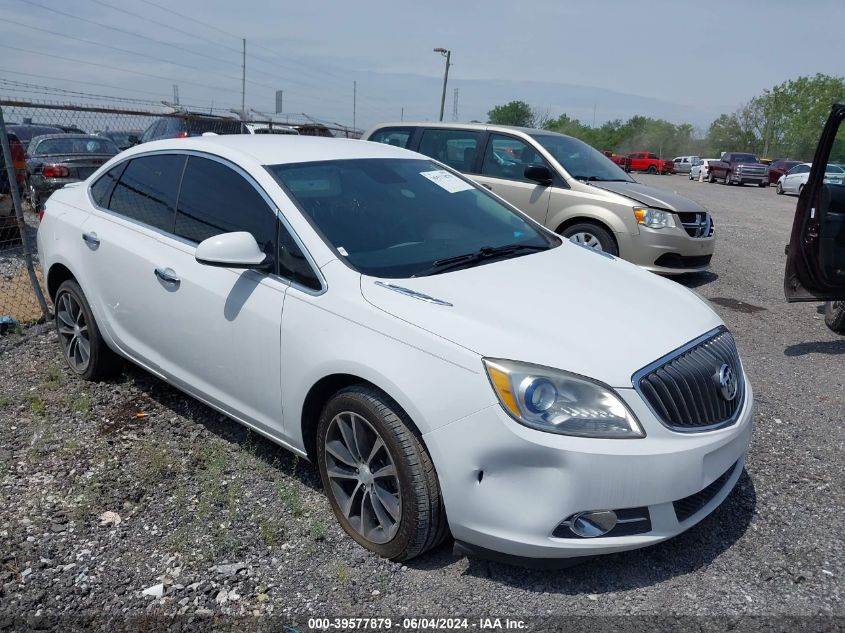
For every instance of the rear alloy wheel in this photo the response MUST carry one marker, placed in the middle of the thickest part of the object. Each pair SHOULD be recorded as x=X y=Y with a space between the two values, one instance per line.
x=779 y=189
x=592 y=236
x=82 y=344
x=728 y=180
x=378 y=476
x=834 y=316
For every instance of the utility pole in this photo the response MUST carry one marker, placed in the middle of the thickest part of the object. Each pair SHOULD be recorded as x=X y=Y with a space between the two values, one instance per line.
x=594 y=115
x=354 y=99
x=280 y=95
x=176 y=94
x=402 y=114
x=243 y=81
x=448 y=55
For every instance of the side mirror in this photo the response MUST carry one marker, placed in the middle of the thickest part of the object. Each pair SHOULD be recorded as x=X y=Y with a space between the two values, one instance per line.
x=539 y=174
x=133 y=139
x=231 y=250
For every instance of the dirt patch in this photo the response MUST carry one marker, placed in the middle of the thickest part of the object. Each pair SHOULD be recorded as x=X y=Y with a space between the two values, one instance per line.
x=736 y=304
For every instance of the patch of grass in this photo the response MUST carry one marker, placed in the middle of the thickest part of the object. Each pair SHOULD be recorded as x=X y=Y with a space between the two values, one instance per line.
x=318 y=531
x=54 y=375
x=82 y=404
x=36 y=403
x=155 y=460
x=269 y=529
x=88 y=500
x=292 y=497
x=342 y=575
x=6 y=401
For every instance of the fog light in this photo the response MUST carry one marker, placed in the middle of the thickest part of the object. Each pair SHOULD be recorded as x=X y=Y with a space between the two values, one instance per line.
x=593 y=523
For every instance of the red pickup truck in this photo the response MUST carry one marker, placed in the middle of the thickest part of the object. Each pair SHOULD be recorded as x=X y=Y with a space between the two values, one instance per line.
x=651 y=163
x=619 y=159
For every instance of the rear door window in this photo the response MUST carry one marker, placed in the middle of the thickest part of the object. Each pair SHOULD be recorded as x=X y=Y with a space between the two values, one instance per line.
x=216 y=199
x=147 y=190
x=456 y=148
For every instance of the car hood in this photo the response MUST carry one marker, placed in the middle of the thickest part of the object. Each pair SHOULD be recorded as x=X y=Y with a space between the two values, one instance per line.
x=568 y=308
x=651 y=196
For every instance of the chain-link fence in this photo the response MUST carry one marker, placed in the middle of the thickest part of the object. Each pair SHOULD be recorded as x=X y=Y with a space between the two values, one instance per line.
x=48 y=145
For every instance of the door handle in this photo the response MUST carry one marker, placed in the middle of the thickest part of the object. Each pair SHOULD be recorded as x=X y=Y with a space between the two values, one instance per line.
x=91 y=239
x=167 y=276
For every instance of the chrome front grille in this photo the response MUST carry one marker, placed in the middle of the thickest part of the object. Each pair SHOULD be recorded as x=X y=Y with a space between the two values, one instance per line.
x=685 y=388
x=696 y=224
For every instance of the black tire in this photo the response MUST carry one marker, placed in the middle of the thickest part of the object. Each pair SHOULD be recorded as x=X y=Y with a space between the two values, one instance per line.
x=651 y=169
x=779 y=189
x=762 y=184
x=690 y=175
x=102 y=362
x=800 y=189
x=33 y=198
x=711 y=178
x=422 y=523
x=728 y=178
x=834 y=316
x=604 y=237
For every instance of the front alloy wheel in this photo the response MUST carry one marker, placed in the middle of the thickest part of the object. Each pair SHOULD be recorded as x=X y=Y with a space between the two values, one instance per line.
x=378 y=475
x=363 y=477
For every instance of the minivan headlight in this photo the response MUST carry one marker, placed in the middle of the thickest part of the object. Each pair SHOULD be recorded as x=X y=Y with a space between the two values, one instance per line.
x=654 y=218
x=556 y=401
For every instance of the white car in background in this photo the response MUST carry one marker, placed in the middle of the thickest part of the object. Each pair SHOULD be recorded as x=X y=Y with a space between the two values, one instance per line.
x=448 y=363
x=702 y=166
x=794 y=180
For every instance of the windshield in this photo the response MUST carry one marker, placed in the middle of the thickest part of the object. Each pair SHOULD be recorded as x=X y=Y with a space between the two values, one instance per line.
x=198 y=126
x=397 y=218
x=580 y=160
x=744 y=158
x=76 y=145
x=834 y=169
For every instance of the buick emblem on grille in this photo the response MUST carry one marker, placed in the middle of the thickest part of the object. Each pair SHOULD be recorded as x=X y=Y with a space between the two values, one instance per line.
x=727 y=382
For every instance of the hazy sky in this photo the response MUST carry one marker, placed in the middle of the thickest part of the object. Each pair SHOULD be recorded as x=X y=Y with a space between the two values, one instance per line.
x=689 y=60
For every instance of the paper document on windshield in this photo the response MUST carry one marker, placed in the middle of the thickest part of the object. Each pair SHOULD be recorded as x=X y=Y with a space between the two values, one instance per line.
x=448 y=181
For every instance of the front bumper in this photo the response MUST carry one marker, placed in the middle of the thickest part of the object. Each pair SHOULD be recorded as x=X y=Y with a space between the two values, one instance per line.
x=507 y=487
x=667 y=251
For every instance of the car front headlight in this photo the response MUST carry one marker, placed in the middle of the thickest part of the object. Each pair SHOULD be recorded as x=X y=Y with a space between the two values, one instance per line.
x=654 y=218
x=556 y=401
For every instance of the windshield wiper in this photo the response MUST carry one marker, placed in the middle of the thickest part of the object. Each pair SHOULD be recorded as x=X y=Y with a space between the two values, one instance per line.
x=468 y=260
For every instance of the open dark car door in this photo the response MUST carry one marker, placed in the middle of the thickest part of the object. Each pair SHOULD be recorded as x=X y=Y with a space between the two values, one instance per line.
x=815 y=263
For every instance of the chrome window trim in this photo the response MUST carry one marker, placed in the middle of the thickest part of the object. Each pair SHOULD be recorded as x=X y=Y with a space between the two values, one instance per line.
x=237 y=168
x=639 y=374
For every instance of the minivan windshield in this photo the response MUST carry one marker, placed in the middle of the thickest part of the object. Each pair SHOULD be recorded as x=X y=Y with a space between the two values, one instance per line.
x=399 y=218
x=580 y=160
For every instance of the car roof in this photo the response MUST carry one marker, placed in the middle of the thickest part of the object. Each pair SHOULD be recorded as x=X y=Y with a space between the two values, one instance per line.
x=490 y=127
x=274 y=149
x=44 y=137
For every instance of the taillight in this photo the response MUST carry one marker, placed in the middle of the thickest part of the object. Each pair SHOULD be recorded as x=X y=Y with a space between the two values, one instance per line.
x=182 y=135
x=55 y=171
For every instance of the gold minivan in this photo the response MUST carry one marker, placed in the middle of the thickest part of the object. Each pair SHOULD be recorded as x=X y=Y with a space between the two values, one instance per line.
x=569 y=187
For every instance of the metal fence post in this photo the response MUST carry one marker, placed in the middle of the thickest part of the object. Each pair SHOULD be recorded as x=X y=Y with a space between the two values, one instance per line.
x=16 y=201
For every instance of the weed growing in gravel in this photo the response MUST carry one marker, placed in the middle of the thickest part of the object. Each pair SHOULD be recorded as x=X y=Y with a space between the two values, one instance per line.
x=82 y=404
x=6 y=401
x=269 y=529
x=341 y=574
x=155 y=461
x=318 y=531
x=88 y=500
x=36 y=403
x=290 y=494
x=54 y=375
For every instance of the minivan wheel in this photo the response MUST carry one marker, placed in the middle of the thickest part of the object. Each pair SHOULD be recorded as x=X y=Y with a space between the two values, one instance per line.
x=834 y=316
x=378 y=476
x=591 y=236
x=82 y=344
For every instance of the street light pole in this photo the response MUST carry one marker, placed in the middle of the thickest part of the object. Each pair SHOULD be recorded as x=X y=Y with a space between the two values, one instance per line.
x=448 y=55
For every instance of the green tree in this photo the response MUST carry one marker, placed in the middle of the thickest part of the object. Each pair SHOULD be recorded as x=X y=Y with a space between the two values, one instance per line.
x=516 y=113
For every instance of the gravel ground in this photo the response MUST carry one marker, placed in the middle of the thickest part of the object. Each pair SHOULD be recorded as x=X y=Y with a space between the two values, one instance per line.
x=127 y=498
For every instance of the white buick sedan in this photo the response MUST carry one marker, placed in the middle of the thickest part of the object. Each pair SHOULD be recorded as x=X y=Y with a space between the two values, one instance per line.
x=449 y=364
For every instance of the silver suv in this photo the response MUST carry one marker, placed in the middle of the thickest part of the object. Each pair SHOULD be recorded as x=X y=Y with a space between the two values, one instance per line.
x=571 y=188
